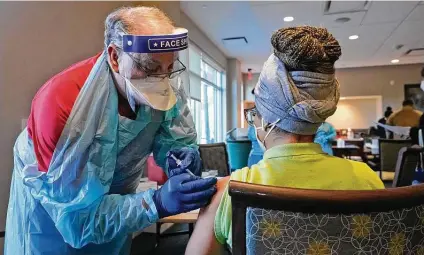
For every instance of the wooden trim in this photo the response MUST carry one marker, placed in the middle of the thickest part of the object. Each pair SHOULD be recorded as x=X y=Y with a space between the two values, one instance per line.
x=239 y=228
x=325 y=201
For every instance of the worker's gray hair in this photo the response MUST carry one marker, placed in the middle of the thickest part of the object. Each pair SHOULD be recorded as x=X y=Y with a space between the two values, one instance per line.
x=115 y=28
x=126 y=19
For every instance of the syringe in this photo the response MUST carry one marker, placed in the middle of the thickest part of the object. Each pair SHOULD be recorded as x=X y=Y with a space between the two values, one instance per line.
x=178 y=162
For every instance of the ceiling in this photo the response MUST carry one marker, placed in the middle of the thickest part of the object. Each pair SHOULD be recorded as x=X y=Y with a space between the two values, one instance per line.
x=381 y=27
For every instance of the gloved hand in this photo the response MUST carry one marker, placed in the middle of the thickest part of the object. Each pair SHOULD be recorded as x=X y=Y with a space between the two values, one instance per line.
x=183 y=193
x=190 y=159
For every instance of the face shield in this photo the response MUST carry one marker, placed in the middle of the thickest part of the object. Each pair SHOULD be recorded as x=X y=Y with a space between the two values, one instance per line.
x=154 y=68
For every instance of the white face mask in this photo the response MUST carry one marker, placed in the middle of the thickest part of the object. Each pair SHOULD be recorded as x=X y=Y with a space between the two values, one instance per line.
x=262 y=143
x=158 y=94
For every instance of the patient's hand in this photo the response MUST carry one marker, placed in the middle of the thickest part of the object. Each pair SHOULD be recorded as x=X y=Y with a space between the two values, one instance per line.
x=203 y=239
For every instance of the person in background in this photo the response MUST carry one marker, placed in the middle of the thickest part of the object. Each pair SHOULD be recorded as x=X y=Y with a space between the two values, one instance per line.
x=381 y=132
x=325 y=136
x=408 y=116
x=256 y=153
x=78 y=164
x=296 y=92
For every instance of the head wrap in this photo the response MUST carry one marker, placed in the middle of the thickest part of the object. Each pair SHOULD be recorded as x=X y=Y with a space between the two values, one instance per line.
x=297 y=84
x=302 y=100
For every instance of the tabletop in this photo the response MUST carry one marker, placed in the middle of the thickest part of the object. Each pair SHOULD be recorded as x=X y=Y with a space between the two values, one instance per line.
x=189 y=217
x=346 y=147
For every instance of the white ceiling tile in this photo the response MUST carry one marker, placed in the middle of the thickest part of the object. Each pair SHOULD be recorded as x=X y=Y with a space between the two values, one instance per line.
x=409 y=34
x=330 y=20
x=346 y=6
x=416 y=14
x=271 y=16
x=257 y=21
x=388 y=11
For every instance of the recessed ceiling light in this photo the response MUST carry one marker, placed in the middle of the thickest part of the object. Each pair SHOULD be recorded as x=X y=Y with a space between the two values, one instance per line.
x=353 y=37
x=288 y=19
x=342 y=20
x=394 y=61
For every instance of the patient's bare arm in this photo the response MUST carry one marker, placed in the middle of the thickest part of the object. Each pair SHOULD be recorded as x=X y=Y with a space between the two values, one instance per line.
x=203 y=239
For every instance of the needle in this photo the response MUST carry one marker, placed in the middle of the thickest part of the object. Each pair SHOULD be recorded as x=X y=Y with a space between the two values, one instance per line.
x=178 y=162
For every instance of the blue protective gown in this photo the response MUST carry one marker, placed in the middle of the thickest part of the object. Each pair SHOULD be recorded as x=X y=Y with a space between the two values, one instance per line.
x=86 y=202
x=325 y=136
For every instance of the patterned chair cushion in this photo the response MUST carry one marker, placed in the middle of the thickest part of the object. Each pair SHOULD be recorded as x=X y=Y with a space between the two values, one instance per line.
x=277 y=232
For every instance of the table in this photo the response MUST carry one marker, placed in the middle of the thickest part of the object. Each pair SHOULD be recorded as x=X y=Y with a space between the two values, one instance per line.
x=374 y=150
x=189 y=217
x=183 y=218
x=345 y=150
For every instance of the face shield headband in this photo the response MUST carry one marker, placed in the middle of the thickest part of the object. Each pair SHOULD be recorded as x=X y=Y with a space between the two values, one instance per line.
x=156 y=43
x=147 y=85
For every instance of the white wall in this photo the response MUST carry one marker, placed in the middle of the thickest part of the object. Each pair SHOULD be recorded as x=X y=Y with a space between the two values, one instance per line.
x=366 y=81
x=38 y=40
x=234 y=93
x=202 y=41
x=248 y=85
x=357 y=112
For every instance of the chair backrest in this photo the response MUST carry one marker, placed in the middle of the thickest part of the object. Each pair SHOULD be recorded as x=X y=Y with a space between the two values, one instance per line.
x=360 y=152
x=215 y=157
x=407 y=161
x=389 y=150
x=275 y=220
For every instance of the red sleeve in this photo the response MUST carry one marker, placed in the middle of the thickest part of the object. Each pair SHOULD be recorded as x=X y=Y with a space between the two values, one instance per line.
x=51 y=108
x=49 y=112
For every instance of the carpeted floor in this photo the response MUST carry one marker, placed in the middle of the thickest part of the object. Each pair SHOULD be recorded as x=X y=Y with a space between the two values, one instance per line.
x=144 y=244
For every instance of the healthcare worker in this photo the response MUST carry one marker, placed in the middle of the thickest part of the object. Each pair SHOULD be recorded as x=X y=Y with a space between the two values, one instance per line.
x=91 y=128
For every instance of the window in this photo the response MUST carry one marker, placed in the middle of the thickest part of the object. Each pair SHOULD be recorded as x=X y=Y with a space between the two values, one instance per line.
x=207 y=97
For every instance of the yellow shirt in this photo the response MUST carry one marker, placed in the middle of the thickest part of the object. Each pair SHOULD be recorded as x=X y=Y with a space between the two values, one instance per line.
x=407 y=117
x=299 y=165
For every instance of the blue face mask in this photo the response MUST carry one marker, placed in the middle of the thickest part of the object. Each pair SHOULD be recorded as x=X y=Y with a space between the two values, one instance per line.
x=262 y=127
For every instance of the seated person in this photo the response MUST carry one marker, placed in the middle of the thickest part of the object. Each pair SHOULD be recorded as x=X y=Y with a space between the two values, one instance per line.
x=381 y=131
x=408 y=116
x=296 y=92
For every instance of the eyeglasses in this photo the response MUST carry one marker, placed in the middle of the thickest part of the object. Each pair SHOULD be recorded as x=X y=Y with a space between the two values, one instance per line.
x=160 y=76
x=250 y=114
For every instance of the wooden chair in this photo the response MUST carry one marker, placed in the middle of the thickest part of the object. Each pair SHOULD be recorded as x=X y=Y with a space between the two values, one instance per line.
x=275 y=220
x=215 y=157
x=389 y=150
x=408 y=160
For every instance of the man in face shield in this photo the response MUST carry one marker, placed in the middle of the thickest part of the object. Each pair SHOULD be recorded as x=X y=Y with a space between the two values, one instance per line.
x=90 y=131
